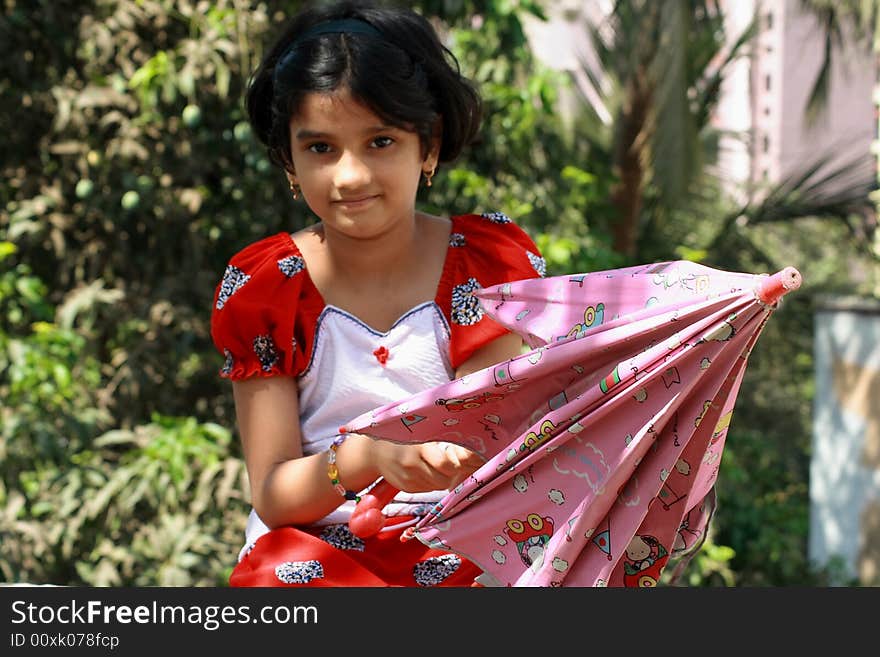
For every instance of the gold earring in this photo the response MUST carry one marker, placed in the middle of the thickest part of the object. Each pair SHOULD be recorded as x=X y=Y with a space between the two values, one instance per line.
x=428 y=176
x=294 y=189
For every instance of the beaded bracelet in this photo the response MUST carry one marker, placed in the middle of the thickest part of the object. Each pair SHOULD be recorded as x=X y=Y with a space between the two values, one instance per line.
x=333 y=472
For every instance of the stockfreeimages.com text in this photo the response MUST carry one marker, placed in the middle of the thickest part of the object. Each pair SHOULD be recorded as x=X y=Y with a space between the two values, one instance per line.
x=211 y=617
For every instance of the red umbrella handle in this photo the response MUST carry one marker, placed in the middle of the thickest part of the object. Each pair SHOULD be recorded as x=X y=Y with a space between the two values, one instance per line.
x=772 y=288
x=367 y=518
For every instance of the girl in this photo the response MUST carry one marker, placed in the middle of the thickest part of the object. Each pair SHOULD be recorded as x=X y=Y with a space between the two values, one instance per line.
x=358 y=104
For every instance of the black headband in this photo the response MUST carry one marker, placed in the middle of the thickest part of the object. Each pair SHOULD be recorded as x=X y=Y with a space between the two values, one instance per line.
x=341 y=26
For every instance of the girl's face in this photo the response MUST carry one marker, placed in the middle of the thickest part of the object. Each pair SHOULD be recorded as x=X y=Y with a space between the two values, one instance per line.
x=359 y=175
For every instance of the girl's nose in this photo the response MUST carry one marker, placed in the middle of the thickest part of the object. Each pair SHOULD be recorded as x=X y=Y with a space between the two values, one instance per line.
x=350 y=172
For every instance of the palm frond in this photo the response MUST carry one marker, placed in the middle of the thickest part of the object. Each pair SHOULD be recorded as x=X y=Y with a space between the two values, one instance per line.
x=839 y=192
x=675 y=154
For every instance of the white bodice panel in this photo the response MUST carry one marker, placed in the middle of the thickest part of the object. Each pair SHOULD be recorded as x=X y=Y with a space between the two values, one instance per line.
x=345 y=378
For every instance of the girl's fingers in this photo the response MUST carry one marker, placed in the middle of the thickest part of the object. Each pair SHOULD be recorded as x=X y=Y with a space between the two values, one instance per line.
x=432 y=466
x=436 y=457
x=459 y=462
x=451 y=453
x=463 y=456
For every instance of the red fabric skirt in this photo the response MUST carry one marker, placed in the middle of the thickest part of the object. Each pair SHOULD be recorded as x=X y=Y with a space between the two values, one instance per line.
x=333 y=556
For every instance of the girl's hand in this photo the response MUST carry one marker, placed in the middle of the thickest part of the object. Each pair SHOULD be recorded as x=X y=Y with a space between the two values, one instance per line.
x=424 y=467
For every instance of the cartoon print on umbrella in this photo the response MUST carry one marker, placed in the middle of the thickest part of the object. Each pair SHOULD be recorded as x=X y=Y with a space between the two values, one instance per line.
x=530 y=536
x=644 y=561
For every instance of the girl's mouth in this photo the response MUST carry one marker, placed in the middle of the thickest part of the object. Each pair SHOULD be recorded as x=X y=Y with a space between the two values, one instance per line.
x=355 y=202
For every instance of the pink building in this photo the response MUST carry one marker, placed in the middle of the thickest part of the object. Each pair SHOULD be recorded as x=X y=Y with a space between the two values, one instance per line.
x=765 y=98
x=763 y=103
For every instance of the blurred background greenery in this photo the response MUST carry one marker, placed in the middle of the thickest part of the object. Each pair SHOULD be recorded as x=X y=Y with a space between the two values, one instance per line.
x=130 y=176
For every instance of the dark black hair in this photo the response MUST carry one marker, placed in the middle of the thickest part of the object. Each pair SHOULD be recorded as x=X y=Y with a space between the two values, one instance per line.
x=407 y=77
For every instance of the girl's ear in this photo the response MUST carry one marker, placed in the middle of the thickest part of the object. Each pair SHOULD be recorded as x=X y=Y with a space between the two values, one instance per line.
x=294 y=185
x=432 y=157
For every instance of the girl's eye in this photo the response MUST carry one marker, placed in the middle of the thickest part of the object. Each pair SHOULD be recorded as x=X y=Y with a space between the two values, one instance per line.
x=383 y=142
x=319 y=147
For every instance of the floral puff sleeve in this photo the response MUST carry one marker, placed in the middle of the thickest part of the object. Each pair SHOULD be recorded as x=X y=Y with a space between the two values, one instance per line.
x=485 y=250
x=256 y=305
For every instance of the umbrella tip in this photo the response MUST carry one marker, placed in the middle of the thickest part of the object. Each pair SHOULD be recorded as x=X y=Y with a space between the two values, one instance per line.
x=772 y=288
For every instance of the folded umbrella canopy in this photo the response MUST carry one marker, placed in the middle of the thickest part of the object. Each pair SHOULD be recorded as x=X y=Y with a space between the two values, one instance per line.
x=603 y=442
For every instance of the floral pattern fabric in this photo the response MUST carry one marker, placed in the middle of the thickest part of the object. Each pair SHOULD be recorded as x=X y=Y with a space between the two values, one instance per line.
x=233 y=280
x=291 y=266
x=466 y=308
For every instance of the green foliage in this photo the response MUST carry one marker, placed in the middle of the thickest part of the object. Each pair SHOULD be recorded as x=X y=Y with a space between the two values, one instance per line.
x=709 y=567
x=160 y=505
x=48 y=382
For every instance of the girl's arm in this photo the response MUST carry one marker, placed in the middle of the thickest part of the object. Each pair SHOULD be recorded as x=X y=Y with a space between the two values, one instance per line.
x=500 y=349
x=288 y=488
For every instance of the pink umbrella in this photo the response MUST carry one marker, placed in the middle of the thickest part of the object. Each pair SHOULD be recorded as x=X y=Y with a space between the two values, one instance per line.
x=602 y=443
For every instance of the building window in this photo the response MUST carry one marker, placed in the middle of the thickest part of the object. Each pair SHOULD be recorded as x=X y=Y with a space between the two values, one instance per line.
x=766 y=143
x=768 y=20
x=767 y=82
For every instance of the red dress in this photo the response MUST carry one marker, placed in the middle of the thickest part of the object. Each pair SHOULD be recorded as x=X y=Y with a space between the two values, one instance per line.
x=270 y=320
